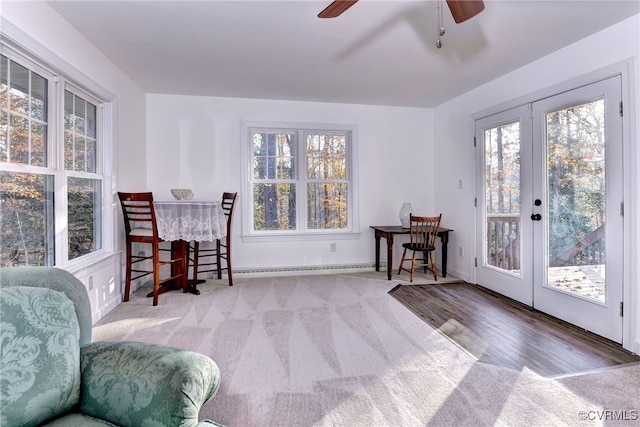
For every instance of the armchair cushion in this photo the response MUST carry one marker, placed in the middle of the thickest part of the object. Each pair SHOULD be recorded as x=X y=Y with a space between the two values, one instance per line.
x=39 y=356
x=140 y=384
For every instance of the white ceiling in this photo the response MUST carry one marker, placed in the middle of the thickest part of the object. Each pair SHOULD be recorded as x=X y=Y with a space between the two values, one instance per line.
x=377 y=52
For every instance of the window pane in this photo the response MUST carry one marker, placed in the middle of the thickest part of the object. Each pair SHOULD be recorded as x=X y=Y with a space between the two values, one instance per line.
x=502 y=196
x=274 y=155
x=68 y=151
x=91 y=120
x=577 y=193
x=78 y=153
x=4 y=126
x=38 y=98
x=26 y=219
x=38 y=138
x=19 y=89
x=80 y=115
x=327 y=206
x=24 y=110
x=68 y=111
x=326 y=156
x=80 y=134
x=84 y=202
x=274 y=207
x=19 y=142
x=91 y=159
x=4 y=82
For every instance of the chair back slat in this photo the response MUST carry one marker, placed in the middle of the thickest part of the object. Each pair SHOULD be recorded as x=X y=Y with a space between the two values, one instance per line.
x=228 y=202
x=138 y=211
x=424 y=231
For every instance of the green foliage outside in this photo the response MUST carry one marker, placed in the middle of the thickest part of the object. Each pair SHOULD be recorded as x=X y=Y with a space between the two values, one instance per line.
x=575 y=139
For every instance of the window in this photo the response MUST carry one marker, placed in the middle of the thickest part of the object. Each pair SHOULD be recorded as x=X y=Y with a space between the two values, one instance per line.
x=84 y=185
x=51 y=176
x=300 y=181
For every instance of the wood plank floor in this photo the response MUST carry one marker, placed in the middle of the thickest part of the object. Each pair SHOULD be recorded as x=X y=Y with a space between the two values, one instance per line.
x=497 y=330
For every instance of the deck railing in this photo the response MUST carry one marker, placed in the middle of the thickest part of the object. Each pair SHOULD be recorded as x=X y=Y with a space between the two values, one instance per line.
x=588 y=251
x=503 y=245
x=503 y=240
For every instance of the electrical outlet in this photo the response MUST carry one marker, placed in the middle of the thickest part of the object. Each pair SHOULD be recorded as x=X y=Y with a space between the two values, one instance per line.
x=90 y=283
x=460 y=251
x=332 y=247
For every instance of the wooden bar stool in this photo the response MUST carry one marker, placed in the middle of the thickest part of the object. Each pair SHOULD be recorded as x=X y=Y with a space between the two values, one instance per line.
x=141 y=227
x=205 y=260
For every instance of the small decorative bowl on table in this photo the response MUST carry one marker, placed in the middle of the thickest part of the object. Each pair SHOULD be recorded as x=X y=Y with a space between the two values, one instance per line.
x=182 y=193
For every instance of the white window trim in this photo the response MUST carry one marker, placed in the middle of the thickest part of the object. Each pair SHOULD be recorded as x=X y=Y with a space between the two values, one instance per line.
x=44 y=59
x=248 y=235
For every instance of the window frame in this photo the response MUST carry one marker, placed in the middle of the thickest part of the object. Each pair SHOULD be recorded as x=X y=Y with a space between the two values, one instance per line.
x=249 y=234
x=98 y=175
x=61 y=76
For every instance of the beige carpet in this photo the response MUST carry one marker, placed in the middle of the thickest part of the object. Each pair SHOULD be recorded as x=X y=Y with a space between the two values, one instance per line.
x=337 y=350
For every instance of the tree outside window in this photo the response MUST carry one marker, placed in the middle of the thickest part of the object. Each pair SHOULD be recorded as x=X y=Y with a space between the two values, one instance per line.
x=33 y=181
x=290 y=198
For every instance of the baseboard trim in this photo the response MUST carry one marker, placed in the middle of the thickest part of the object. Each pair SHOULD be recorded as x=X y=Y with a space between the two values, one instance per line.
x=303 y=270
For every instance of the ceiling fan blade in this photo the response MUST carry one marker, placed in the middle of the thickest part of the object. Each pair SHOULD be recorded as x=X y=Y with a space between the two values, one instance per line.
x=336 y=8
x=464 y=9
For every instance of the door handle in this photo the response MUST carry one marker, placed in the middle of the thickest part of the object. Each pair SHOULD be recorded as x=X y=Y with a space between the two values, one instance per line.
x=536 y=217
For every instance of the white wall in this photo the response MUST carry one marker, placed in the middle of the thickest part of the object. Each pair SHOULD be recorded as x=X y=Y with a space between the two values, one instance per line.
x=195 y=142
x=455 y=152
x=43 y=31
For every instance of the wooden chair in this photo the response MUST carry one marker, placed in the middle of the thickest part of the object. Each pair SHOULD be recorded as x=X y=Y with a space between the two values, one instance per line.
x=423 y=231
x=204 y=260
x=141 y=227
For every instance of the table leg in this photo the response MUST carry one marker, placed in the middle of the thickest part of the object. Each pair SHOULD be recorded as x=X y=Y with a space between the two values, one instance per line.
x=389 y=237
x=377 y=237
x=444 y=239
x=189 y=285
x=179 y=249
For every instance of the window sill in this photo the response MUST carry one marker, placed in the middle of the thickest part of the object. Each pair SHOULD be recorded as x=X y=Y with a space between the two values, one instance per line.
x=89 y=261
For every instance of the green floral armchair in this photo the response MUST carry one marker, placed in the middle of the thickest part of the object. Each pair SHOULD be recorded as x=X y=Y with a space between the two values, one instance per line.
x=51 y=374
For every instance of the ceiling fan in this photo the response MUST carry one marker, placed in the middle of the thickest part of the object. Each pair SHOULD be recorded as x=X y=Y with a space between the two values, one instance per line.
x=460 y=9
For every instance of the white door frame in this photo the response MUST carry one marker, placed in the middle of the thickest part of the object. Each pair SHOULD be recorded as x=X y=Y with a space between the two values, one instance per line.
x=628 y=70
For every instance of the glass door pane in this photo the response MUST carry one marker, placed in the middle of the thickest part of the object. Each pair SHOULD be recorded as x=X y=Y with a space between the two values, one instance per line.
x=502 y=196
x=576 y=199
x=503 y=186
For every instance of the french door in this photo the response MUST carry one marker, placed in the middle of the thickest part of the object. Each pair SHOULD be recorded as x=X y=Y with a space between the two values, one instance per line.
x=549 y=222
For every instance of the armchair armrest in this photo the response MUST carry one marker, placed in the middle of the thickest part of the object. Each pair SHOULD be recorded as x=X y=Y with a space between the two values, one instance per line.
x=135 y=384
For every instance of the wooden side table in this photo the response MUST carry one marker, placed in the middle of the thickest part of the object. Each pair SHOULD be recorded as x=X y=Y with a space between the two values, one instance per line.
x=388 y=231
